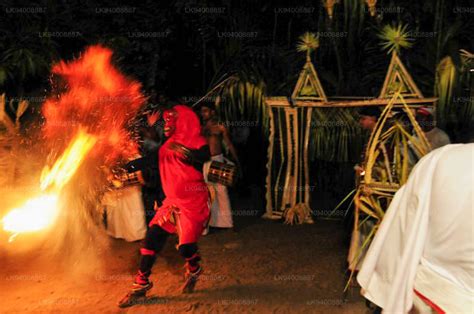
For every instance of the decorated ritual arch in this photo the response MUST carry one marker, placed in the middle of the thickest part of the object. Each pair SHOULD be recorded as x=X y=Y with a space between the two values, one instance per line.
x=291 y=118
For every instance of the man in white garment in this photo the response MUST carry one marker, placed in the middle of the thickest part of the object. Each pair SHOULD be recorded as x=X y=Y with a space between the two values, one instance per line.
x=422 y=257
x=217 y=135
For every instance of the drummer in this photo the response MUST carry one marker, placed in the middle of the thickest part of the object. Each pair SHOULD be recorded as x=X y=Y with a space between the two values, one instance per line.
x=217 y=135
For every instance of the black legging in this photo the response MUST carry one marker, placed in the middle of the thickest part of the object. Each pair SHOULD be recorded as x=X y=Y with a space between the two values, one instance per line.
x=155 y=240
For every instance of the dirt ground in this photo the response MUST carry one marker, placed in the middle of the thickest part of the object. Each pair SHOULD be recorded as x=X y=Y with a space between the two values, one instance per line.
x=261 y=267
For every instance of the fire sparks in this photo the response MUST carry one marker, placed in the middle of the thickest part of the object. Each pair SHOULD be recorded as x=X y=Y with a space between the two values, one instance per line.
x=99 y=99
x=92 y=109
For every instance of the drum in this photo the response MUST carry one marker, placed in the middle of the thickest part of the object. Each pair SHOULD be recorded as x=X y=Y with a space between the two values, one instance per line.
x=127 y=179
x=222 y=173
x=119 y=178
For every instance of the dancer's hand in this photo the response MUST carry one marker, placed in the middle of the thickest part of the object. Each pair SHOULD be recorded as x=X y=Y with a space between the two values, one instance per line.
x=182 y=151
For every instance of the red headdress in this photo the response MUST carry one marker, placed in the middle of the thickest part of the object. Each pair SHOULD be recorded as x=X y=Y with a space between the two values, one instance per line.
x=188 y=128
x=183 y=184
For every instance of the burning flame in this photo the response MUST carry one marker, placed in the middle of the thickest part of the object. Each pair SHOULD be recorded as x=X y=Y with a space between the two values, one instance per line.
x=99 y=99
x=41 y=212
x=34 y=215
x=93 y=109
x=67 y=164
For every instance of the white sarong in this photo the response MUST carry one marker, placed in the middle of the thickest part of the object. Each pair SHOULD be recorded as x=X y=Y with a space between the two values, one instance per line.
x=125 y=213
x=221 y=213
x=426 y=239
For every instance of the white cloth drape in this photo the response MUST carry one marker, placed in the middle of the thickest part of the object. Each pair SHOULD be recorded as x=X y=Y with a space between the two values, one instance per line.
x=426 y=239
x=125 y=213
x=221 y=212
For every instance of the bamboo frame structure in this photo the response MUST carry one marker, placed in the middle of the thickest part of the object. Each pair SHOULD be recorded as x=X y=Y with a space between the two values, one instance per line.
x=375 y=192
x=290 y=130
x=398 y=80
x=308 y=86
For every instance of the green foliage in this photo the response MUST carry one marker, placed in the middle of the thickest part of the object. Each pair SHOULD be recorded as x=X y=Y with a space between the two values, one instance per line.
x=22 y=63
x=455 y=108
x=336 y=135
x=194 y=56
x=445 y=85
x=242 y=101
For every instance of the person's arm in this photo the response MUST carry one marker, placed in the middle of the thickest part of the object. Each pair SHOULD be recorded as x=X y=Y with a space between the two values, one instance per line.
x=228 y=143
x=192 y=156
x=200 y=155
x=197 y=157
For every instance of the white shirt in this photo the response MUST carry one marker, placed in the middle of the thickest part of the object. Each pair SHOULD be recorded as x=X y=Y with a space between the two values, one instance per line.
x=427 y=237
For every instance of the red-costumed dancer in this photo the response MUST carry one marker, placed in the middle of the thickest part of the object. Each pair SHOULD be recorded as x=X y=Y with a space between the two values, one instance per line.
x=185 y=210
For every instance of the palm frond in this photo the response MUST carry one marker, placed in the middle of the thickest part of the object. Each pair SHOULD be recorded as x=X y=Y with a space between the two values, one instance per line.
x=445 y=85
x=395 y=37
x=335 y=135
x=467 y=59
x=308 y=42
x=242 y=99
x=385 y=172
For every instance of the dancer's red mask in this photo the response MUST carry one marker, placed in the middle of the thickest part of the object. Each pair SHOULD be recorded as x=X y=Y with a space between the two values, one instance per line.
x=170 y=117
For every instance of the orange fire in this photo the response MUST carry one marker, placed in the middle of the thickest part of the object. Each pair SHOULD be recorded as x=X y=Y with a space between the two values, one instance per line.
x=41 y=212
x=34 y=215
x=99 y=99
x=67 y=164
x=92 y=111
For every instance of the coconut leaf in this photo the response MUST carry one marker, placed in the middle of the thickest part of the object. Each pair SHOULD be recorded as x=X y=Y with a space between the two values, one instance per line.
x=445 y=86
x=395 y=37
x=308 y=42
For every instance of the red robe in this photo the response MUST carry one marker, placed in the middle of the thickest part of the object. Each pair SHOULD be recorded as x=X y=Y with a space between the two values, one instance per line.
x=185 y=210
